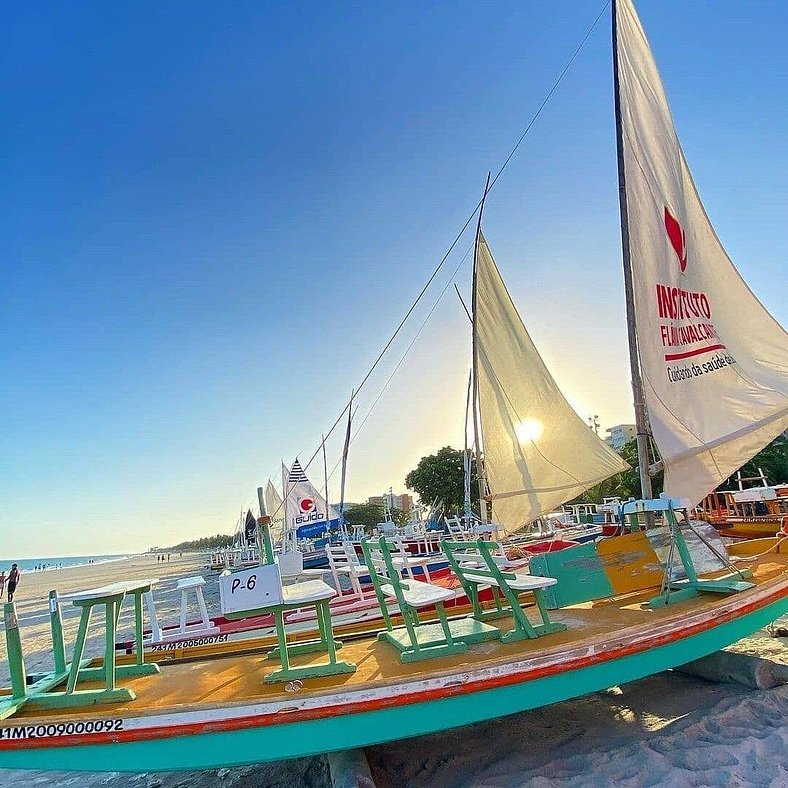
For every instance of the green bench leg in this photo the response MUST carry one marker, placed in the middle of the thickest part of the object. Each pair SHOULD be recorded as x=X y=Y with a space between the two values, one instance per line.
x=16 y=661
x=547 y=627
x=79 y=648
x=111 y=613
x=56 y=625
x=326 y=643
x=140 y=667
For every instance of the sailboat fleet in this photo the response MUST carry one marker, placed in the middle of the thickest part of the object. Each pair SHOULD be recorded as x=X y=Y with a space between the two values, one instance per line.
x=710 y=383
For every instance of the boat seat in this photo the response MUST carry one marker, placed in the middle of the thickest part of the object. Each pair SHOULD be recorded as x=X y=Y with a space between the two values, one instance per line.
x=43 y=691
x=307 y=592
x=418 y=594
x=416 y=640
x=204 y=626
x=520 y=582
x=475 y=565
x=260 y=590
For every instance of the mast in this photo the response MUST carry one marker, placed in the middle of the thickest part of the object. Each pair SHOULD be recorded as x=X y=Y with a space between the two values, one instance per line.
x=476 y=431
x=641 y=419
x=325 y=479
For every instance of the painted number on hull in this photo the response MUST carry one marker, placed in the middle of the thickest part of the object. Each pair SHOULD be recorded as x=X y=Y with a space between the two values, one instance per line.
x=60 y=729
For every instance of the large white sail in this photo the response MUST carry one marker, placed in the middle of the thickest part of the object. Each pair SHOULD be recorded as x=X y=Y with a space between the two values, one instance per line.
x=275 y=509
x=714 y=362
x=538 y=453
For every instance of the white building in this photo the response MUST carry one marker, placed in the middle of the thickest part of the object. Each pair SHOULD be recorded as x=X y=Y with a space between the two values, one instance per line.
x=619 y=435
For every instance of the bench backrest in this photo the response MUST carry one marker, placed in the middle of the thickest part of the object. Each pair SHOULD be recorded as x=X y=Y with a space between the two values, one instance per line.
x=379 y=560
x=474 y=560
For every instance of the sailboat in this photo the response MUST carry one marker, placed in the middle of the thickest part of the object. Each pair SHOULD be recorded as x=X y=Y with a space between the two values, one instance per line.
x=235 y=709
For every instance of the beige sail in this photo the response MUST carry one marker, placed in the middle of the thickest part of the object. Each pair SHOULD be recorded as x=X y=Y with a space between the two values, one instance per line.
x=538 y=453
x=714 y=362
x=273 y=505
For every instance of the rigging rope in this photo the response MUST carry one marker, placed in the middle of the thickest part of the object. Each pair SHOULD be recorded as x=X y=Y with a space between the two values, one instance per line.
x=453 y=244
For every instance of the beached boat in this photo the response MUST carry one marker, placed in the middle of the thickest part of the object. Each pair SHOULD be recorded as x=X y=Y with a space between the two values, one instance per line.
x=748 y=512
x=599 y=615
x=206 y=714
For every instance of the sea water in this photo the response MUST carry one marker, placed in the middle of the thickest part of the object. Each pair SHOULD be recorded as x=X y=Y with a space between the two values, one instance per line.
x=57 y=562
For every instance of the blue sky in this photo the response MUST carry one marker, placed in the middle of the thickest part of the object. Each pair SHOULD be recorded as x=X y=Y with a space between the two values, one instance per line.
x=215 y=214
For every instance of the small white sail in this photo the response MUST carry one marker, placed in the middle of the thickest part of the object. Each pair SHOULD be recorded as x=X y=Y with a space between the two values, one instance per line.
x=274 y=508
x=714 y=361
x=538 y=453
x=305 y=508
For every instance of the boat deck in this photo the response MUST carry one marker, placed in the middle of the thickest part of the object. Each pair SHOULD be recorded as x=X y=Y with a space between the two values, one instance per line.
x=592 y=627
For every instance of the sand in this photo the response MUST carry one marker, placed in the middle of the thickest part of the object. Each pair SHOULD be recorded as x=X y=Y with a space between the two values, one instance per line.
x=670 y=729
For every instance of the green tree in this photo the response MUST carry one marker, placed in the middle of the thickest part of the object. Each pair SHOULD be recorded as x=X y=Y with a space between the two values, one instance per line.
x=398 y=516
x=442 y=476
x=623 y=485
x=366 y=514
x=204 y=543
x=772 y=460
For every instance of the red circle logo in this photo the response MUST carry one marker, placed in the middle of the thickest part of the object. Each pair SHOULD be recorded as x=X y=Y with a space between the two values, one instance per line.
x=306 y=505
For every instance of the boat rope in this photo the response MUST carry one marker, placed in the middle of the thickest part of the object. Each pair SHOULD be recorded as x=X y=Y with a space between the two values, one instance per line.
x=557 y=82
x=773 y=548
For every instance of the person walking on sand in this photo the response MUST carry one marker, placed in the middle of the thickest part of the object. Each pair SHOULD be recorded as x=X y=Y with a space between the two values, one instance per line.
x=13 y=581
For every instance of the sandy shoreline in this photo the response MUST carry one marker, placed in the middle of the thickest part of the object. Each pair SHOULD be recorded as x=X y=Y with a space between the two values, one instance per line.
x=669 y=729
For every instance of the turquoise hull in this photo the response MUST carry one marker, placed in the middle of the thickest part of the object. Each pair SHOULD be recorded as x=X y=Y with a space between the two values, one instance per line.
x=308 y=737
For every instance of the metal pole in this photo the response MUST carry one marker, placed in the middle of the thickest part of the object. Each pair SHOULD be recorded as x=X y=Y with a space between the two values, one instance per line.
x=263 y=532
x=325 y=479
x=641 y=419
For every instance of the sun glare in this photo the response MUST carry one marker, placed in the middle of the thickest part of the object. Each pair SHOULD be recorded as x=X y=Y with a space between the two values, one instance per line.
x=529 y=429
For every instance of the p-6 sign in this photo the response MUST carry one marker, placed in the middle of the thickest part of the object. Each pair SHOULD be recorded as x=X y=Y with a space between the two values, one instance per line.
x=250 y=589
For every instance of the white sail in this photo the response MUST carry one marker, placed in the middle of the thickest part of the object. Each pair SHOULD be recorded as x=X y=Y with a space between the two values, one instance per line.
x=538 y=453
x=714 y=361
x=274 y=508
x=305 y=507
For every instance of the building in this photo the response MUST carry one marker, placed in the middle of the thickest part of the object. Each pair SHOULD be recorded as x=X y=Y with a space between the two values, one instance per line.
x=619 y=435
x=402 y=502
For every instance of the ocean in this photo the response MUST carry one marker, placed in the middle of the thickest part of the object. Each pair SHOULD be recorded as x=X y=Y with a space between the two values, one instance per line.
x=58 y=562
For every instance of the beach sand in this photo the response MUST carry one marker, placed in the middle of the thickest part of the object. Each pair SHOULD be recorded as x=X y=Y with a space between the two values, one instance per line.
x=670 y=729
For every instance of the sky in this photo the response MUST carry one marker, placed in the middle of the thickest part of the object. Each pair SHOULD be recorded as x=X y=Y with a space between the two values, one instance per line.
x=215 y=215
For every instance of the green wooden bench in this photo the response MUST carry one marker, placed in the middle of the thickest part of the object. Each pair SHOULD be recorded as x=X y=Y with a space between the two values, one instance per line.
x=256 y=591
x=43 y=692
x=475 y=566
x=415 y=640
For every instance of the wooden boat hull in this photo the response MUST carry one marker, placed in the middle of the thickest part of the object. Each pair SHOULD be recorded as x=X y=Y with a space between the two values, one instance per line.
x=751 y=529
x=343 y=717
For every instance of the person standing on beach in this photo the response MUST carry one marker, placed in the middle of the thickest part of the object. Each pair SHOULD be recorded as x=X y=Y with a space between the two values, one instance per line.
x=13 y=581
x=2 y=582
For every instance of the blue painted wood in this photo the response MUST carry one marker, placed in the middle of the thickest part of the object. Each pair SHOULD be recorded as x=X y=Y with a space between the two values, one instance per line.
x=579 y=572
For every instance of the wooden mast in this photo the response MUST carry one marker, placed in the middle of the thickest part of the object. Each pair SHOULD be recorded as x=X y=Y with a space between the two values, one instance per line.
x=476 y=430
x=641 y=418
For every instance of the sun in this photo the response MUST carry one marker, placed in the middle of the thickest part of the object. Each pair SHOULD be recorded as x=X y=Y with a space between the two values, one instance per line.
x=529 y=430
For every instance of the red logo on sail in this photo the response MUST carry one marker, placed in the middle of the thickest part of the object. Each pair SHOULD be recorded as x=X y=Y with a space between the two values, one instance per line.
x=678 y=238
x=306 y=505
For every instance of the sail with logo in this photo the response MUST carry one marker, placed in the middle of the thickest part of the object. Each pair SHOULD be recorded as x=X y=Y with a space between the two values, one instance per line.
x=714 y=362
x=306 y=512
